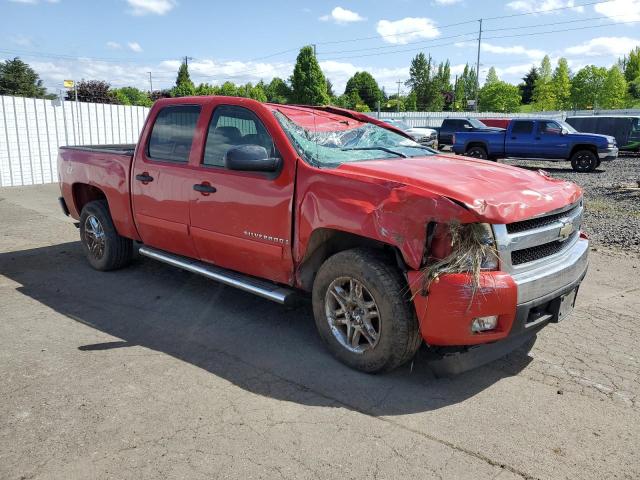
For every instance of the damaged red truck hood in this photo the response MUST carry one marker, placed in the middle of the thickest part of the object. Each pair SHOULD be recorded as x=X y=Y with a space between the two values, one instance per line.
x=497 y=193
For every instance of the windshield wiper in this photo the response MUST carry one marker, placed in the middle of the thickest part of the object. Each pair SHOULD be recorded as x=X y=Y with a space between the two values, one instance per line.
x=384 y=149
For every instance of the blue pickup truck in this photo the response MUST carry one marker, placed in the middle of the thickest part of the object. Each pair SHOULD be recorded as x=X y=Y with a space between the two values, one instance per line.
x=539 y=138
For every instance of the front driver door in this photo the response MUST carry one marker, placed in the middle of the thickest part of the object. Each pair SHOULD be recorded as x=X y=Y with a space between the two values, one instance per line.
x=242 y=220
x=551 y=142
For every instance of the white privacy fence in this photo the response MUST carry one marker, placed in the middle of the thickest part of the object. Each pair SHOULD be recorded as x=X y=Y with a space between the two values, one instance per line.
x=31 y=130
x=434 y=119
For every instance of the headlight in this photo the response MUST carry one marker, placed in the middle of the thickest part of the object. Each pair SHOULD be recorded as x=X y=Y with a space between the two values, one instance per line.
x=490 y=257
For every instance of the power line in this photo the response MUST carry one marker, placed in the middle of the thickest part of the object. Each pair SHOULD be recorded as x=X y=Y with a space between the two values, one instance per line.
x=549 y=10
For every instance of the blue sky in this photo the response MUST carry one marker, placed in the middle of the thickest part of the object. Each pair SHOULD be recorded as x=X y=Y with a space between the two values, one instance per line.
x=121 y=40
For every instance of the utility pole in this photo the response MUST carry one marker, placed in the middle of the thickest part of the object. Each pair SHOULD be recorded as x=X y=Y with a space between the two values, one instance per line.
x=399 y=82
x=150 y=83
x=314 y=49
x=186 y=60
x=478 y=66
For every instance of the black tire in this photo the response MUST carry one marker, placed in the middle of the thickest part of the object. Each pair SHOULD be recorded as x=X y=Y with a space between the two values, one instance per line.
x=116 y=251
x=584 y=161
x=398 y=336
x=477 y=152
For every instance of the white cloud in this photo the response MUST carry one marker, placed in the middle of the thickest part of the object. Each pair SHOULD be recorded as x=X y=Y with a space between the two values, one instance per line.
x=134 y=47
x=543 y=6
x=620 y=10
x=113 y=45
x=532 y=53
x=447 y=2
x=22 y=40
x=407 y=29
x=342 y=16
x=599 y=46
x=154 y=7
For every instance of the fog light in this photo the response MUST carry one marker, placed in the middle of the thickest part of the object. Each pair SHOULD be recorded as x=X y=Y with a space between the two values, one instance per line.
x=482 y=324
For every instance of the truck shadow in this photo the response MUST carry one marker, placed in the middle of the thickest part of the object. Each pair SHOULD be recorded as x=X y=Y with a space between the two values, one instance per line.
x=253 y=343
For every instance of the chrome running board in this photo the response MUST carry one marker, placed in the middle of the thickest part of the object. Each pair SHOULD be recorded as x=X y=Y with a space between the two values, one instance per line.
x=261 y=288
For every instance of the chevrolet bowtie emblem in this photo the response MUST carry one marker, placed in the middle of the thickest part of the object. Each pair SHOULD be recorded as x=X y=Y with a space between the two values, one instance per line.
x=566 y=230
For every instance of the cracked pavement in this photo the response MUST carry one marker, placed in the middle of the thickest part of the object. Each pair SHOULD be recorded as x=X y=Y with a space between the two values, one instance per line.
x=151 y=372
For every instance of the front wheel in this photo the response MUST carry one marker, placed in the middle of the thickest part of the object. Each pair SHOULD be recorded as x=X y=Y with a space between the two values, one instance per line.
x=104 y=248
x=584 y=161
x=362 y=311
x=477 y=152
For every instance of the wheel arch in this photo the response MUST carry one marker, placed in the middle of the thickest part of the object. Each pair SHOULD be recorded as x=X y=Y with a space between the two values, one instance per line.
x=84 y=193
x=476 y=143
x=325 y=242
x=583 y=146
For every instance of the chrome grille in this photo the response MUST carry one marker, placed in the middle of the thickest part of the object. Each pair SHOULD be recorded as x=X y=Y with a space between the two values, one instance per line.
x=530 y=243
x=539 y=222
x=532 y=254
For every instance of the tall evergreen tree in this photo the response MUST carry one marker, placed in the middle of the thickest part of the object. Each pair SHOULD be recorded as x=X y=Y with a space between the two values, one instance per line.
x=19 y=79
x=527 y=85
x=184 y=86
x=614 y=89
x=308 y=82
x=492 y=76
x=543 y=93
x=561 y=82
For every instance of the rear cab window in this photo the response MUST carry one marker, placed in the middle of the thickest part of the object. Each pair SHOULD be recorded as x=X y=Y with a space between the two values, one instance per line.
x=172 y=133
x=522 y=127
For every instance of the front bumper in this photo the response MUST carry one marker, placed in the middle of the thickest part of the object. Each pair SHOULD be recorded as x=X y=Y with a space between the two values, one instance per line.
x=608 y=154
x=524 y=304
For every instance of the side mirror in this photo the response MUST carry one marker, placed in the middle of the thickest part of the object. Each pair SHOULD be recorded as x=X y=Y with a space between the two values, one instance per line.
x=564 y=132
x=251 y=158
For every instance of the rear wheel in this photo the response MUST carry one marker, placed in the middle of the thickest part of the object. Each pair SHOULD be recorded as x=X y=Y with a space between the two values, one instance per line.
x=362 y=312
x=476 y=152
x=104 y=248
x=584 y=161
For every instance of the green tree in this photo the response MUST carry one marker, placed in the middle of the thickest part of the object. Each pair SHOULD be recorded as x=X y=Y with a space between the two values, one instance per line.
x=499 y=96
x=631 y=67
x=586 y=87
x=18 y=78
x=614 y=89
x=206 y=89
x=411 y=102
x=228 y=89
x=367 y=88
x=561 y=82
x=93 y=91
x=459 y=101
x=330 y=91
x=308 y=82
x=492 y=76
x=527 y=85
x=184 y=86
x=543 y=92
x=420 y=81
x=132 y=96
x=278 y=91
x=257 y=92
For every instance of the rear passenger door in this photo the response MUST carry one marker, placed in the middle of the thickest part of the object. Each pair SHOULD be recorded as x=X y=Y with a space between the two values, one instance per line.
x=161 y=181
x=244 y=222
x=519 y=141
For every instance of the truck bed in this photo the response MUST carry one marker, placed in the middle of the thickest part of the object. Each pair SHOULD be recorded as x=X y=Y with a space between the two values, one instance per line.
x=117 y=148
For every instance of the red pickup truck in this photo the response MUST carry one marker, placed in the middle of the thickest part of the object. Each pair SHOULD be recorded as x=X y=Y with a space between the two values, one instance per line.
x=397 y=245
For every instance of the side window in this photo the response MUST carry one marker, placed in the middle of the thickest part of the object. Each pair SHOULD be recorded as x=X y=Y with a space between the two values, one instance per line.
x=520 y=127
x=550 y=128
x=232 y=126
x=172 y=133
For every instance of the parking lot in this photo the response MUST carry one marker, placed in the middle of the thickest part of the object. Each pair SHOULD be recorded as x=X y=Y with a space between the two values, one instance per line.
x=151 y=372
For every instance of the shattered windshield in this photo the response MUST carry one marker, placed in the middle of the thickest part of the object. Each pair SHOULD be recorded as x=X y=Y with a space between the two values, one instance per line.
x=332 y=146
